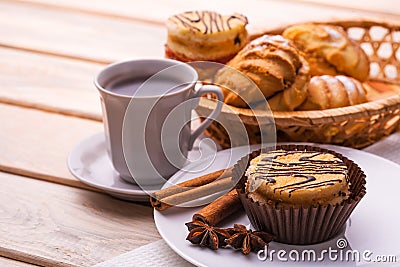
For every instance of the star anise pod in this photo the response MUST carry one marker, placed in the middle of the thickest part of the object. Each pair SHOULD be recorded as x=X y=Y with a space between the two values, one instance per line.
x=248 y=240
x=205 y=235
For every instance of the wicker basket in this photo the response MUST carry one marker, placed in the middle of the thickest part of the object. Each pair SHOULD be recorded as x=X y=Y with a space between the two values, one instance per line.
x=354 y=126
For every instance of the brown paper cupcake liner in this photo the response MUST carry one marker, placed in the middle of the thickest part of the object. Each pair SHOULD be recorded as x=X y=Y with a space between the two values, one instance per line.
x=301 y=225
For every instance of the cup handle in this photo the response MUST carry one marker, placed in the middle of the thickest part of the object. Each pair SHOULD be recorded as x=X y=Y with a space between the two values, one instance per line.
x=207 y=89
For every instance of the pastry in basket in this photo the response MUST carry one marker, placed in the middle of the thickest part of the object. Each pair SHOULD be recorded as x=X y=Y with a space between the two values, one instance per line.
x=205 y=36
x=297 y=178
x=298 y=193
x=327 y=91
x=274 y=65
x=329 y=50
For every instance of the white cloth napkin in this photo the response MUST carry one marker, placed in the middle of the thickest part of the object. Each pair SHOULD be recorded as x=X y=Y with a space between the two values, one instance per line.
x=388 y=148
x=154 y=254
x=159 y=253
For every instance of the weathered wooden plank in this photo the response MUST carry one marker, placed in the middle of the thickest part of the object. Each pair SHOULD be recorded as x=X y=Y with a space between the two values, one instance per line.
x=388 y=7
x=123 y=30
x=50 y=83
x=36 y=143
x=54 y=225
x=261 y=13
x=6 y=262
x=75 y=35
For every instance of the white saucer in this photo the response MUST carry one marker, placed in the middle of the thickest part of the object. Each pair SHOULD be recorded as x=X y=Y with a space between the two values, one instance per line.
x=372 y=226
x=88 y=162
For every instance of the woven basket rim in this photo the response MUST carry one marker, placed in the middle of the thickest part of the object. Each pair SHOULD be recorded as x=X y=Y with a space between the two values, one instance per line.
x=356 y=22
x=356 y=111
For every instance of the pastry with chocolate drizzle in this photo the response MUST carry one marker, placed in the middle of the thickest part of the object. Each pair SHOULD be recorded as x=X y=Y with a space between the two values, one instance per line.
x=297 y=178
x=300 y=194
x=205 y=36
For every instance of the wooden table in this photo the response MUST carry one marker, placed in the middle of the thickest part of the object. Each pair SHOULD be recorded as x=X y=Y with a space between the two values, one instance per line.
x=49 y=54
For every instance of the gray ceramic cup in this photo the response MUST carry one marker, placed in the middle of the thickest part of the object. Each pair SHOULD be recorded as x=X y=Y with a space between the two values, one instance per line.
x=148 y=136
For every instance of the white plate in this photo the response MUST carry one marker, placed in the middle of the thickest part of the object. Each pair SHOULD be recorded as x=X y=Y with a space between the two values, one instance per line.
x=88 y=161
x=372 y=226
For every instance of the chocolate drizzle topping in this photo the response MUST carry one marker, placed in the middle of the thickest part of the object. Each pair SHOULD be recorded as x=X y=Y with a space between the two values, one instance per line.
x=243 y=19
x=270 y=168
x=207 y=21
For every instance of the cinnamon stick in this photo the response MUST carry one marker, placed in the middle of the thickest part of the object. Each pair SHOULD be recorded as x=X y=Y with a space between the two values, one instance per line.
x=198 y=192
x=179 y=193
x=219 y=209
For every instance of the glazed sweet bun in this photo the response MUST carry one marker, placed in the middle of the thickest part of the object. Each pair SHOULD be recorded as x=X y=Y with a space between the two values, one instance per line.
x=297 y=178
x=205 y=36
x=274 y=65
x=329 y=50
x=325 y=92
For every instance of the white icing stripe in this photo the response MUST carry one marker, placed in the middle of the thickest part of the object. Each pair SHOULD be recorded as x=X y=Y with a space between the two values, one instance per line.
x=351 y=91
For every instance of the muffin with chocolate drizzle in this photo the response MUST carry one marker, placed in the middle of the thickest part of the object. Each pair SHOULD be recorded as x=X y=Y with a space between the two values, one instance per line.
x=300 y=194
x=205 y=36
x=297 y=178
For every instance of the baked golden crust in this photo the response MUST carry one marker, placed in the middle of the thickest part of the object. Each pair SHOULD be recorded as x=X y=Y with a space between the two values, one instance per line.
x=206 y=35
x=274 y=65
x=327 y=91
x=299 y=178
x=329 y=50
x=173 y=55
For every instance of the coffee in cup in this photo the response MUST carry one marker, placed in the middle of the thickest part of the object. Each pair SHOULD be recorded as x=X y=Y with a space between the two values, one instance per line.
x=146 y=106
